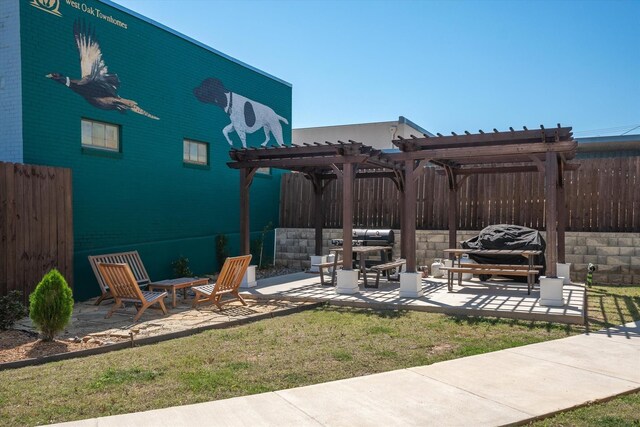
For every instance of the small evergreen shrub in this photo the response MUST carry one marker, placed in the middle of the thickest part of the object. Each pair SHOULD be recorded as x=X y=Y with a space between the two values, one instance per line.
x=11 y=309
x=181 y=267
x=257 y=245
x=51 y=304
x=222 y=250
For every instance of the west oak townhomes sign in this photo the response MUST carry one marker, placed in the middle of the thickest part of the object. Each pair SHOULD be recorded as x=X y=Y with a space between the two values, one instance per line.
x=53 y=7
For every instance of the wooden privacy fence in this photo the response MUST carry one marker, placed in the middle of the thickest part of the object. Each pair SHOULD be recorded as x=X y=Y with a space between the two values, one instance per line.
x=36 y=225
x=602 y=195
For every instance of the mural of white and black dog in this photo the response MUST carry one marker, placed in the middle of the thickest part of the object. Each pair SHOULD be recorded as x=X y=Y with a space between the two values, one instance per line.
x=247 y=116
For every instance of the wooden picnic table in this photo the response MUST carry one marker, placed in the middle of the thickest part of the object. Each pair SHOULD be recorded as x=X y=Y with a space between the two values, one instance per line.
x=528 y=254
x=363 y=252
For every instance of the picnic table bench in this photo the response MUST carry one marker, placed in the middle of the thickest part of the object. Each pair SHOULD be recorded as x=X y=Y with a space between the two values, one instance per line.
x=530 y=271
x=492 y=269
x=328 y=265
x=386 y=267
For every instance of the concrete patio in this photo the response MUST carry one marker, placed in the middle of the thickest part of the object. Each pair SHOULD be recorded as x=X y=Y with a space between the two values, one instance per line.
x=491 y=298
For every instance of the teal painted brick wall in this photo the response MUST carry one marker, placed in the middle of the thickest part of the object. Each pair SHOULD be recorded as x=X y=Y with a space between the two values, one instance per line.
x=145 y=198
x=11 y=147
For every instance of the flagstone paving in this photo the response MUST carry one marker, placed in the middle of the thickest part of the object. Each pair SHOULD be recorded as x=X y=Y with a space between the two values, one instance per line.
x=88 y=321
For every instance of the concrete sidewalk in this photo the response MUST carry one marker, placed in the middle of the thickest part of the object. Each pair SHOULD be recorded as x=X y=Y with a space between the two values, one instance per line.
x=503 y=387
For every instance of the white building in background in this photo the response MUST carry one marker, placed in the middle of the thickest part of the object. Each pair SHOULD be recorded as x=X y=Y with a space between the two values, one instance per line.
x=378 y=135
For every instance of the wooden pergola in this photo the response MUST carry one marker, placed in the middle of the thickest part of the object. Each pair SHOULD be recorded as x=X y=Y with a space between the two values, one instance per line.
x=546 y=151
x=320 y=163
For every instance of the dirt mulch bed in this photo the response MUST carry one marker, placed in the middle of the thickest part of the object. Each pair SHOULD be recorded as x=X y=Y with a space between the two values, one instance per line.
x=19 y=345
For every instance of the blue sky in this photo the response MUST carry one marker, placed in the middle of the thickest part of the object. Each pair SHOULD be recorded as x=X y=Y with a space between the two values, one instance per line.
x=446 y=65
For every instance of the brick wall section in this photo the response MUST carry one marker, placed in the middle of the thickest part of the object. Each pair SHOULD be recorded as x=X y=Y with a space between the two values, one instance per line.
x=10 y=83
x=617 y=255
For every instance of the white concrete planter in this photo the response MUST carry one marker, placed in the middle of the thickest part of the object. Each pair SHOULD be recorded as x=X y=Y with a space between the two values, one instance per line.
x=564 y=270
x=317 y=259
x=249 y=279
x=551 y=291
x=435 y=268
x=347 y=282
x=411 y=285
x=465 y=276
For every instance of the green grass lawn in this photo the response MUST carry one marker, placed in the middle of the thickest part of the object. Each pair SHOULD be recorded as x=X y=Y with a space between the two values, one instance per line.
x=613 y=305
x=619 y=412
x=306 y=348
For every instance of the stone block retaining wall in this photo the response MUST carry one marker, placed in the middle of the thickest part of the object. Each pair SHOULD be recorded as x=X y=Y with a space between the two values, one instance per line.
x=617 y=255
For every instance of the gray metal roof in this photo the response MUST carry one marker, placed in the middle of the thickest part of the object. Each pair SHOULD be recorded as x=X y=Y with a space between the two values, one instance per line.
x=608 y=146
x=601 y=139
x=403 y=119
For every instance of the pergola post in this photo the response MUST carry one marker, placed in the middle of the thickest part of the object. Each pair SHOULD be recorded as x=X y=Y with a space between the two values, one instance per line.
x=453 y=209
x=562 y=215
x=347 y=215
x=347 y=278
x=410 y=280
x=403 y=229
x=246 y=177
x=551 y=211
x=453 y=218
x=318 y=214
x=409 y=217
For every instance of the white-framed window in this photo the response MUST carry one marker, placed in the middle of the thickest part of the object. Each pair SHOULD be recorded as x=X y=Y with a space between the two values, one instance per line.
x=105 y=136
x=195 y=152
x=264 y=171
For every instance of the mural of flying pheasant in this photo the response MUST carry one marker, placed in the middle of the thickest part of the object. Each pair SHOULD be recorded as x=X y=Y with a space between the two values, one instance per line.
x=97 y=86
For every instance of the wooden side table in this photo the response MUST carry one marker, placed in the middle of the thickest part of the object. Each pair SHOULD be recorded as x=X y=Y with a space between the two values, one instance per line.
x=172 y=286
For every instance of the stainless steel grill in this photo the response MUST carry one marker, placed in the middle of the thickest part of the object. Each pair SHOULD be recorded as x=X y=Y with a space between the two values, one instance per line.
x=371 y=237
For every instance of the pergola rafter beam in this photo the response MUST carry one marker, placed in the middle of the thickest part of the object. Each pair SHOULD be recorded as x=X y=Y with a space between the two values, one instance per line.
x=496 y=138
x=504 y=169
x=486 y=153
x=298 y=151
x=298 y=162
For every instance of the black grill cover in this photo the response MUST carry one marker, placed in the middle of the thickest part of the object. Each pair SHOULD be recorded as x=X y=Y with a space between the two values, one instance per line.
x=506 y=236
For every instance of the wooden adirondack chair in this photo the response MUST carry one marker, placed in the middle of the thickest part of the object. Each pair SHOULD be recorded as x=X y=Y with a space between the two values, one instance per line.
x=124 y=288
x=228 y=282
x=131 y=258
